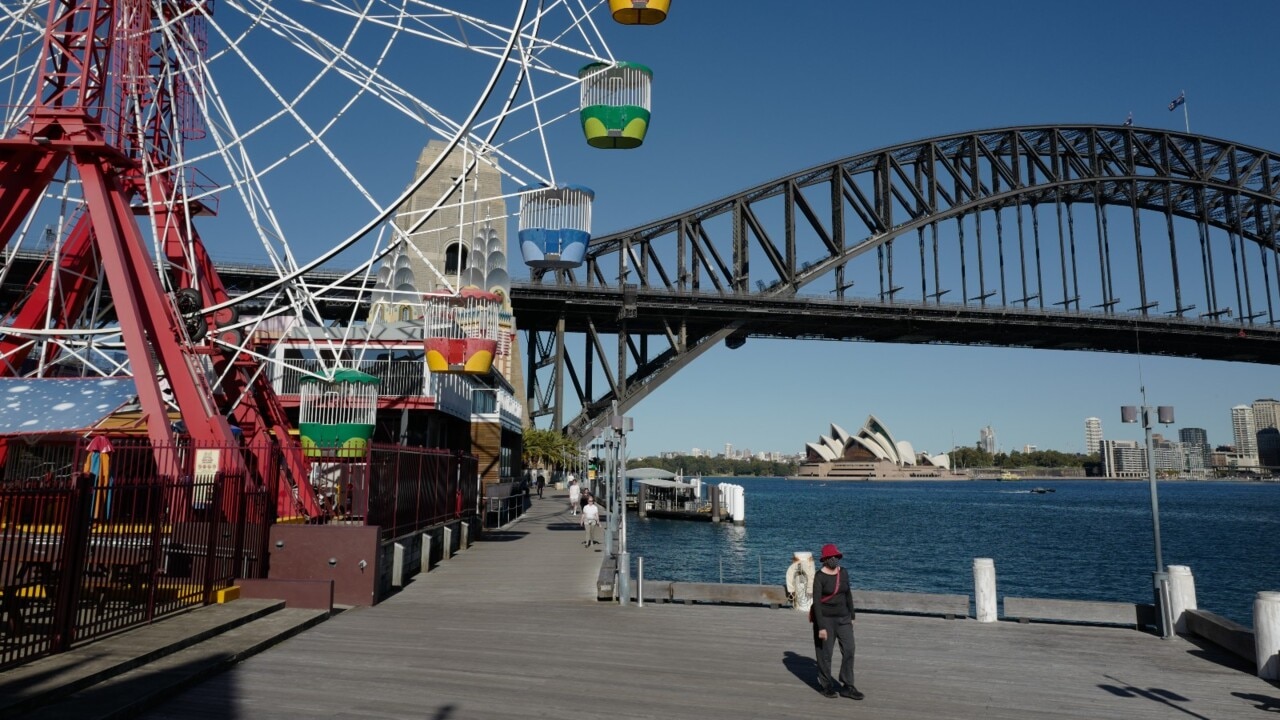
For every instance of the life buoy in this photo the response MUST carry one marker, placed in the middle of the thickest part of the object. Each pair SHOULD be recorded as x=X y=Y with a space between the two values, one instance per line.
x=800 y=581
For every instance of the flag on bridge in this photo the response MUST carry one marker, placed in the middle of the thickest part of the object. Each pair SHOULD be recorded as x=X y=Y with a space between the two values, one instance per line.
x=1128 y=122
x=1182 y=97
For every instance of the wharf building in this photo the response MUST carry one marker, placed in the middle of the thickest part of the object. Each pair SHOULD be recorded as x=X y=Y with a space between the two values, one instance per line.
x=872 y=453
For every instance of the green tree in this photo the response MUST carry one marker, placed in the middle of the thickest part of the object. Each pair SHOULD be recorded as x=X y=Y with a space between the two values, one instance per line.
x=549 y=449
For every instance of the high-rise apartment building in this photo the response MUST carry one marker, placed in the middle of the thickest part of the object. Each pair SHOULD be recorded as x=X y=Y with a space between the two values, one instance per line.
x=987 y=440
x=1269 y=447
x=1266 y=414
x=1092 y=435
x=1196 y=438
x=1244 y=431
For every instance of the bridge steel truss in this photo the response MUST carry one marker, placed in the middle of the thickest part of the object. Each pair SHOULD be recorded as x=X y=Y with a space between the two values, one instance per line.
x=1079 y=237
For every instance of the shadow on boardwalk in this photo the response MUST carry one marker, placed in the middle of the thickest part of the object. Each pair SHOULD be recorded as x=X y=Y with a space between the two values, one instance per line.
x=510 y=629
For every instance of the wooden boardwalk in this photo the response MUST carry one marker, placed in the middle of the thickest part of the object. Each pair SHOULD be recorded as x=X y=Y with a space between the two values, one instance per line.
x=510 y=629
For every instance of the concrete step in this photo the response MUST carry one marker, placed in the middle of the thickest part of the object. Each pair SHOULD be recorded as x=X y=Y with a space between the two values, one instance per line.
x=130 y=693
x=55 y=677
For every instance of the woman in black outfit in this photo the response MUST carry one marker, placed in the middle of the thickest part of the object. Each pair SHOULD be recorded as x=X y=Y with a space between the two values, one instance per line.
x=833 y=620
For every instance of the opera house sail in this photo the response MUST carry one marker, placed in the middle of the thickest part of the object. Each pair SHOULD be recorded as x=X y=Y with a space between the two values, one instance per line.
x=872 y=453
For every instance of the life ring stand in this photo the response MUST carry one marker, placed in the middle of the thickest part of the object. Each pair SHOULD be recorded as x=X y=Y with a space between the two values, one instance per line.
x=800 y=574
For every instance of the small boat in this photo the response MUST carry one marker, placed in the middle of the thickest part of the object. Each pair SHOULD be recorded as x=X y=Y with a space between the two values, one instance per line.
x=1042 y=491
x=1006 y=475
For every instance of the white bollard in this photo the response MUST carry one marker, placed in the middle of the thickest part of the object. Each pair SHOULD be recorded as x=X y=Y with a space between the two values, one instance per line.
x=397 y=565
x=425 y=558
x=1182 y=596
x=446 y=551
x=984 y=589
x=1266 y=634
x=739 y=505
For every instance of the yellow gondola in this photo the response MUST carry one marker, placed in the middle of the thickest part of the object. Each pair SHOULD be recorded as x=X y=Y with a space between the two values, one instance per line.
x=639 y=12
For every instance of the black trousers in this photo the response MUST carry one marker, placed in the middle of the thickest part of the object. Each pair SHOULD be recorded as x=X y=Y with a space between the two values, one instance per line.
x=837 y=629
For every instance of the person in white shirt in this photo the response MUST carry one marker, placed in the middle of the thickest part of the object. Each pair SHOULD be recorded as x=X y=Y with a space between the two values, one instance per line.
x=591 y=521
x=574 y=493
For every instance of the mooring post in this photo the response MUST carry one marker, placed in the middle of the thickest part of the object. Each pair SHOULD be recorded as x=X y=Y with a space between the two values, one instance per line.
x=1266 y=634
x=984 y=590
x=1182 y=595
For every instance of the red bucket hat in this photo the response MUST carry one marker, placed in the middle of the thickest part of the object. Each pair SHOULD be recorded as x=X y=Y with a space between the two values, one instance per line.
x=830 y=550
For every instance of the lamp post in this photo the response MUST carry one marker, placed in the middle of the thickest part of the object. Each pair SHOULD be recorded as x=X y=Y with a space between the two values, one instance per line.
x=1159 y=578
x=622 y=425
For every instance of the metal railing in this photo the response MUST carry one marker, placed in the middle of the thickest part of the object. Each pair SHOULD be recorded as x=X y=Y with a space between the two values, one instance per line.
x=118 y=545
x=410 y=489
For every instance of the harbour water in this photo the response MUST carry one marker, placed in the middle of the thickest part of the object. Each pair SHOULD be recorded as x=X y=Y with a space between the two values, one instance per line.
x=1087 y=540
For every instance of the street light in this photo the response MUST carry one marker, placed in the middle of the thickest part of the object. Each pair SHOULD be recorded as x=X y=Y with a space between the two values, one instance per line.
x=622 y=425
x=1159 y=578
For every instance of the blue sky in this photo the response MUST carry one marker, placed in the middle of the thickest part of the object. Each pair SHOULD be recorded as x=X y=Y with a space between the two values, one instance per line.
x=745 y=96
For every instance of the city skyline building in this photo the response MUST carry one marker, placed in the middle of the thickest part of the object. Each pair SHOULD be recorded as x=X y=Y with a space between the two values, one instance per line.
x=987 y=440
x=1244 y=432
x=1194 y=437
x=1266 y=414
x=1092 y=435
x=1269 y=447
x=1123 y=459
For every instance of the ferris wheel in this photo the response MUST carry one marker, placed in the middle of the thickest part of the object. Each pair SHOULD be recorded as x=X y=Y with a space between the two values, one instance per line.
x=137 y=136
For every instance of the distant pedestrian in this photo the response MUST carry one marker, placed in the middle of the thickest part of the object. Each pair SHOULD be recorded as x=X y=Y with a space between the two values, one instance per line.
x=590 y=520
x=833 y=620
x=542 y=483
x=575 y=493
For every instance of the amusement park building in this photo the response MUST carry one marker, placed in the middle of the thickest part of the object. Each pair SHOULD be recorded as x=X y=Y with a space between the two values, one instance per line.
x=462 y=246
x=870 y=454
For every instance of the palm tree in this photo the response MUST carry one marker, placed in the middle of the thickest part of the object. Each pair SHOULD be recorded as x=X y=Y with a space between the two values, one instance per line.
x=549 y=449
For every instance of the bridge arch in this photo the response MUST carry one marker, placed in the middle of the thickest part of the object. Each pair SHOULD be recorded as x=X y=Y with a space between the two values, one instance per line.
x=1062 y=236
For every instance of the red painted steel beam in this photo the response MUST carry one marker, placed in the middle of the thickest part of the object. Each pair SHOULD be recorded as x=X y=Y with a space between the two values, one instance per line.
x=69 y=283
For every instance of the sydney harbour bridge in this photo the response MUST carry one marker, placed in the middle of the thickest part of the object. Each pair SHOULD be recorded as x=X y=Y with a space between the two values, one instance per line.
x=1063 y=237
x=1069 y=237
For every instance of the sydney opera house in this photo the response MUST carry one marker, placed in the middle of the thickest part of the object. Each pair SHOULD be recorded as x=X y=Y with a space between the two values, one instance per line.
x=870 y=454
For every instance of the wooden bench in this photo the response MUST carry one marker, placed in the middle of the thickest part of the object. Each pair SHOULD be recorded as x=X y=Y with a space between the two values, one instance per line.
x=1074 y=611
x=910 y=603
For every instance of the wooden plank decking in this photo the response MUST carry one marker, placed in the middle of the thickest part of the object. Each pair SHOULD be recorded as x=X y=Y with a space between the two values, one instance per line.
x=511 y=629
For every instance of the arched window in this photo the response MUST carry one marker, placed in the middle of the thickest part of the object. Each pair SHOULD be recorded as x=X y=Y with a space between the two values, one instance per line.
x=455 y=259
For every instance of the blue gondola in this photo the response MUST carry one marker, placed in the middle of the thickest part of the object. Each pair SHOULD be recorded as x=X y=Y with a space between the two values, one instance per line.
x=555 y=226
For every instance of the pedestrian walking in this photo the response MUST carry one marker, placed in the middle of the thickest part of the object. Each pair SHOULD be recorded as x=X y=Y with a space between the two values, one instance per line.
x=832 y=616
x=590 y=520
x=575 y=493
x=542 y=483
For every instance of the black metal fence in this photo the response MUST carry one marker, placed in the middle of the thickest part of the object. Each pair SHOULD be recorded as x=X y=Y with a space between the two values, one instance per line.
x=410 y=489
x=109 y=542
x=97 y=538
